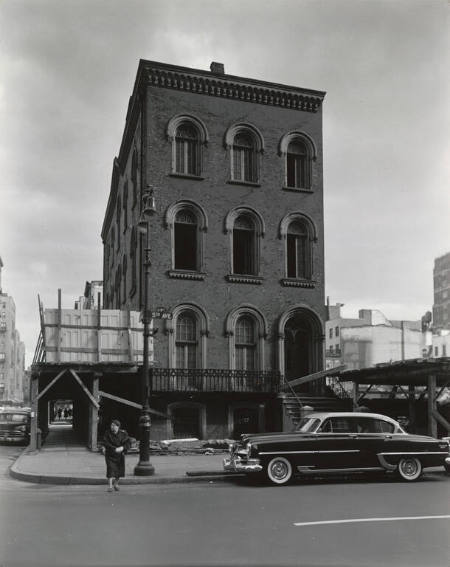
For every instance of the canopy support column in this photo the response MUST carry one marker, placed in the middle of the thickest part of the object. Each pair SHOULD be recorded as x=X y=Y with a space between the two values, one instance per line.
x=432 y=406
x=93 y=415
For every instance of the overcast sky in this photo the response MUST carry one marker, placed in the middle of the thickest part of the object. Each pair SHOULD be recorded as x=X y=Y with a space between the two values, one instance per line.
x=67 y=69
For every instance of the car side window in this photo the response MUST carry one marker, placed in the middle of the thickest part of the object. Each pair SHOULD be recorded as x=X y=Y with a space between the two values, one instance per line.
x=325 y=427
x=341 y=425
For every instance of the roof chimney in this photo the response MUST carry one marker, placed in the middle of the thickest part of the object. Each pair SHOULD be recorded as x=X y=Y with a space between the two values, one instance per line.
x=217 y=68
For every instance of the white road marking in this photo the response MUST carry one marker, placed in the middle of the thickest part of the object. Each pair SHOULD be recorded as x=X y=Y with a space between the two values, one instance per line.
x=357 y=520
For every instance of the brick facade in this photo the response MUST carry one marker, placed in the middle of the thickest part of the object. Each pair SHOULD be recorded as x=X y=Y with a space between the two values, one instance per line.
x=278 y=304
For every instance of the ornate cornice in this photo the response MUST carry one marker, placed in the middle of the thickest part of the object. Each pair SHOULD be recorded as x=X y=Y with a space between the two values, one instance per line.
x=231 y=87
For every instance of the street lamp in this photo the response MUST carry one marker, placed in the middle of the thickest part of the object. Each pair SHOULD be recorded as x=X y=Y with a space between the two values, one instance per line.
x=144 y=467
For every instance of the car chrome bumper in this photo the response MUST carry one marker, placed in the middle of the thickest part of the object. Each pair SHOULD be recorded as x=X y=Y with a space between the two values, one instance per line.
x=237 y=465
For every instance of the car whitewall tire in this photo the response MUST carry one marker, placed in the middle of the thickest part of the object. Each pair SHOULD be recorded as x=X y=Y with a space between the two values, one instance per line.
x=279 y=471
x=409 y=468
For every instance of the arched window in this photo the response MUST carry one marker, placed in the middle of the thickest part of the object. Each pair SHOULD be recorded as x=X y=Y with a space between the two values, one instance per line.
x=297 y=251
x=188 y=224
x=185 y=236
x=244 y=157
x=299 y=152
x=246 y=329
x=299 y=233
x=187 y=149
x=245 y=259
x=245 y=343
x=186 y=340
x=297 y=165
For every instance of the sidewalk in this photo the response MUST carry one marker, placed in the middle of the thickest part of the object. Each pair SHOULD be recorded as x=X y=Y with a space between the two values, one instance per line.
x=78 y=465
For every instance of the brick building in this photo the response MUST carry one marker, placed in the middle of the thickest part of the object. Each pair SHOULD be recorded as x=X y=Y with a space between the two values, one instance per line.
x=236 y=237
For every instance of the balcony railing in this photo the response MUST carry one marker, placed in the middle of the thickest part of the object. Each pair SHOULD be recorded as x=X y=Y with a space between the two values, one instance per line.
x=215 y=380
x=333 y=353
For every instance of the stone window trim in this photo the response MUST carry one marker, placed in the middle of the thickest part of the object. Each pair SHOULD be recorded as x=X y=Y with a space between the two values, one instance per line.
x=202 y=228
x=247 y=183
x=187 y=176
x=186 y=275
x=298 y=282
x=134 y=176
x=261 y=333
x=311 y=149
x=171 y=131
x=244 y=279
x=203 y=326
x=312 y=239
x=257 y=138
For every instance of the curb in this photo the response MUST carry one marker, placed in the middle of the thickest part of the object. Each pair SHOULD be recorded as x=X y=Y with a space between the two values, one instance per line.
x=189 y=477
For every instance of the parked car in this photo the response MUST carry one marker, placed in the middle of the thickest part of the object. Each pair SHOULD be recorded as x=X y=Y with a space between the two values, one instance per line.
x=447 y=458
x=15 y=425
x=339 y=442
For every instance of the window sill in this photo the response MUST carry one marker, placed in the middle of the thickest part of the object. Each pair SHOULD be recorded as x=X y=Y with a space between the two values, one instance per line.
x=245 y=183
x=297 y=189
x=294 y=282
x=186 y=176
x=186 y=275
x=241 y=278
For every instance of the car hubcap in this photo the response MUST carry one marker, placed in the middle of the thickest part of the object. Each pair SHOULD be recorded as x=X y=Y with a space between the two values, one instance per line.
x=279 y=470
x=409 y=468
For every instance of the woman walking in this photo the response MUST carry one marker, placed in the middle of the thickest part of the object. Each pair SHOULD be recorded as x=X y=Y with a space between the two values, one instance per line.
x=116 y=442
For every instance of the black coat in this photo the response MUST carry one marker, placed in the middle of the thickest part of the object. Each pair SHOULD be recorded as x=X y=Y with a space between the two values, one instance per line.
x=115 y=462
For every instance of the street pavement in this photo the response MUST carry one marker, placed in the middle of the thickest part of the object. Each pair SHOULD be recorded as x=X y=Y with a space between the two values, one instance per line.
x=233 y=523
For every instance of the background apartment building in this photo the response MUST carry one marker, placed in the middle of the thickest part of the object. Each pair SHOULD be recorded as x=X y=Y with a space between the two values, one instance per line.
x=12 y=351
x=235 y=238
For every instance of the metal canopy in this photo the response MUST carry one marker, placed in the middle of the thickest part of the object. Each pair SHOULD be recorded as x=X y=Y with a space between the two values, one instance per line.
x=408 y=372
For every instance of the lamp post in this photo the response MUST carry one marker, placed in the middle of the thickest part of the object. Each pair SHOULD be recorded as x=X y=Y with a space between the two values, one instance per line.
x=144 y=467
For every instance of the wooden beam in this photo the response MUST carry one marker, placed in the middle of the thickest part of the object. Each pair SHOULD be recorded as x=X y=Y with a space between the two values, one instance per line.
x=34 y=386
x=51 y=384
x=99 y=331
x=83 y=387
x=132 y=404
x=316 y=376
x=438 y=417
x=93 y=415
x=58 y=333
x=431 y=406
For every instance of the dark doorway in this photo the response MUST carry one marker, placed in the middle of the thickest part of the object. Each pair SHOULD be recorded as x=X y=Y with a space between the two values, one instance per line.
x=245 y=420
x=185 y=423
x=297 y=349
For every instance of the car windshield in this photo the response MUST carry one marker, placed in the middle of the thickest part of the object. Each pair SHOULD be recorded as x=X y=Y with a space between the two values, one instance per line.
x=307 y=424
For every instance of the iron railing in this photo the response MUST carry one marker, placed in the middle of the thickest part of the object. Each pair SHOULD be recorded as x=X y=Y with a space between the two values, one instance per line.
x=214 y=380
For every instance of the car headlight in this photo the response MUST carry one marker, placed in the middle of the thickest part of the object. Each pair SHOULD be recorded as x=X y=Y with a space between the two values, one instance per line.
x=21 y=428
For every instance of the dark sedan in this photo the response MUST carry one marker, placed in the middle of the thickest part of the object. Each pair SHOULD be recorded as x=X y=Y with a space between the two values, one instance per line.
x=337 y=443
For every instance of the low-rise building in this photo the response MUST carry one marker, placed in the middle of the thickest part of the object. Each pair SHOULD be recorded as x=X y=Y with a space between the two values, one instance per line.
x=370 y=339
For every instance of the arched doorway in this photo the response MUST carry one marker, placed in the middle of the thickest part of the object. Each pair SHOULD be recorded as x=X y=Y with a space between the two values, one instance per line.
x=297 y=349
x=301 y=345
